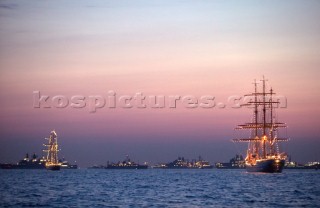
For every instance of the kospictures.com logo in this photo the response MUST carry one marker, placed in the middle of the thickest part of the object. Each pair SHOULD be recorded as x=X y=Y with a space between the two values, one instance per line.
x=140 y=100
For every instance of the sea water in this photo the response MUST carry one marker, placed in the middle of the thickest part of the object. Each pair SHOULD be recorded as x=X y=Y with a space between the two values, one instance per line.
x=158 y=188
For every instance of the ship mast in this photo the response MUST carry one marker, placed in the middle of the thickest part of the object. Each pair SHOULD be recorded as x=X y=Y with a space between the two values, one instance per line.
x=264 y=116
x=262 y=127
x=52 y=149
x=256 y=116
x=271 y=123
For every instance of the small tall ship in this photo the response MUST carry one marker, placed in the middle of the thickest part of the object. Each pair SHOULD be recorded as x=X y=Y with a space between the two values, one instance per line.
x=34 y=162
x=52 y=162
x=263 y=153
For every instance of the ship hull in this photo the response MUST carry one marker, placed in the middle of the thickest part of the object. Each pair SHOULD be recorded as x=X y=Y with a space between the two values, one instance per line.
x=53 y=167
x=24 y=166
x=266 y=166
x=69 y=167
x=7 y=166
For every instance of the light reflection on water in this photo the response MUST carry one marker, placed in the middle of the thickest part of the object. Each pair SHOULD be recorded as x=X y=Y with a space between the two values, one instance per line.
x=158 y=188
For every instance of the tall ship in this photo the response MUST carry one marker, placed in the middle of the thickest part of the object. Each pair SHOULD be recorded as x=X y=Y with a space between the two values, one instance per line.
x=48 y=162
x=52 y=162
x=263 y=154
x=34 y=162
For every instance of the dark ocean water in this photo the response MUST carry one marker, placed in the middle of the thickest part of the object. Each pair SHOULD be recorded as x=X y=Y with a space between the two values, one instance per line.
x=158 y=188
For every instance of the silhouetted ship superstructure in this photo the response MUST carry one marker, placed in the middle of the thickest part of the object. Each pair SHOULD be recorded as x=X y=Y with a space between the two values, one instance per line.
x=295 y=165
x=126 y=164
x=52 y=162
x=263 y=151
x=235 y=163
x=182 y=163
x=27 y=163
x=66 y=165
x=35 y=163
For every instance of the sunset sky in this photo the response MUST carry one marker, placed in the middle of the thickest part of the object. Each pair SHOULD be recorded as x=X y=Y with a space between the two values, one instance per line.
x=158 y=48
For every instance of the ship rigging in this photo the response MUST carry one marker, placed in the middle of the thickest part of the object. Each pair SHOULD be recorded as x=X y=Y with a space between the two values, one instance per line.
x=52 y=162
x=263 y=153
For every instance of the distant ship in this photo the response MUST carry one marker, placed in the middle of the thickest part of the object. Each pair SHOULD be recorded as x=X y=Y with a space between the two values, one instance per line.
x=202 y=164
x=309 y=165
x=52 y=162
x=66 y=165
x=182 y=163
x=126 y=164
x=35 y=163
x=263 y=151
x=235 y=163
x=26 y=163
x=313 y=165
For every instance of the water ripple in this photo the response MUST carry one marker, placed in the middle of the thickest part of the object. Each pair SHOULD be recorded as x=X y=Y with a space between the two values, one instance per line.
x=158 y=188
